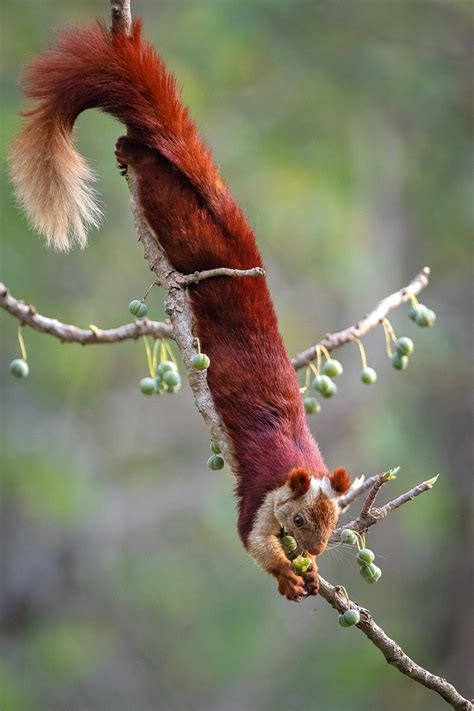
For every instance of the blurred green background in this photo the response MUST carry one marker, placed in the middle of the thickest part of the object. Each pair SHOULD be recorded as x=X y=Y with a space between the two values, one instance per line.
x=343 y=129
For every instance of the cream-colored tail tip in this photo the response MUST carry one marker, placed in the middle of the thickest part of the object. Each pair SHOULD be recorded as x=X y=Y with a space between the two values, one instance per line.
x=54 y=185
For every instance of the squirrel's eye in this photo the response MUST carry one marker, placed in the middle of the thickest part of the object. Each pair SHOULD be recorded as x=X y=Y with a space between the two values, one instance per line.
x=298 y=520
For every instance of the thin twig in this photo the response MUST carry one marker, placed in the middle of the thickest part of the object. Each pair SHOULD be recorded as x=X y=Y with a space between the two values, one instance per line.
x=121 y=14
x=380 y=480
x=67 y=333
x=196 y=277
x=346 y=500
x=370 y=321
x=392 y=652
x=405 y=498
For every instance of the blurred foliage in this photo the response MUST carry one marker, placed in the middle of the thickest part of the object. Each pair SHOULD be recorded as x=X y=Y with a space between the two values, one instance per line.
x=344 y=130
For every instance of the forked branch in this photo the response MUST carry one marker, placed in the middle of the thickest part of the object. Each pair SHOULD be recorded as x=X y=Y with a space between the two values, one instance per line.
x=371 y=514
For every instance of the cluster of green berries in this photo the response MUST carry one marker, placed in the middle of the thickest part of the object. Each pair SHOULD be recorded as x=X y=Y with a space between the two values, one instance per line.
x=19 y=368
x=365 y=557
x=349 y=618
x=167 y=379
x=422 y=315
x=404 y=347
x=216 y=460
x=138 y=308
x=165 y=376
x=370 y=572
x=323 y=384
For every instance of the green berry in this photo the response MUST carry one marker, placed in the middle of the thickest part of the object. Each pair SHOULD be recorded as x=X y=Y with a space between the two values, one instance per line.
x=165 y=366
x=413 y=312
x=365 y=556
x=138 y=308
x=351 y=617
x=399 y=362
x=301 y=563
x=171 y=378
x=330 y=390
x=321 y=383
x=425 y=316
x=174 y=388
x=429 y=318
x=201 y=361
x=148 y=386
x=368 y=375
x=289 y=544
x=332 y=368
x=19 y=368
x=342 y=621
x=367 y=571
x=371 y=573
x=376 y=576
x=216 y=462
x=348 y=536
x=311 y=405
x=215 y=449
x=404 y=346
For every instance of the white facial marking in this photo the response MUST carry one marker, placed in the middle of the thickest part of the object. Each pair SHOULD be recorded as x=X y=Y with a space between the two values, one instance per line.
x=321 y=485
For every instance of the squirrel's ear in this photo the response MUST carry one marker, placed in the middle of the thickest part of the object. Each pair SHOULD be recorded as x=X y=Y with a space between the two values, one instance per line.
x=300 y=481
x=340 y=481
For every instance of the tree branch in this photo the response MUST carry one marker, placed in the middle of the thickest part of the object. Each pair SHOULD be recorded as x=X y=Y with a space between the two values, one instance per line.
x=370 y=320
x=392 y=652
x=196 y=277
x=67 y=333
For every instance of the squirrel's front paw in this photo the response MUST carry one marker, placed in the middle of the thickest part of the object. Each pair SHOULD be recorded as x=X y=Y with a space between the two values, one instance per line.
x=311 y=582
x=289 y=584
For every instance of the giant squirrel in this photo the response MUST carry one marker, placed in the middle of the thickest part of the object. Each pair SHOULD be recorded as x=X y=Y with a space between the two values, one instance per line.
x=282 y=480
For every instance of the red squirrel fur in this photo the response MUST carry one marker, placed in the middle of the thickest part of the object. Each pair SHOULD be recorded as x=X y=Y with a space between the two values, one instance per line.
x=280 y=471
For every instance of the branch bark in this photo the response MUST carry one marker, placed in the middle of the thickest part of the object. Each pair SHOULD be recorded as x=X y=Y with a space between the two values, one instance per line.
x=392 y=652
x=221 y=271
x=121 y=14
x=370 y=320
x=67 y=333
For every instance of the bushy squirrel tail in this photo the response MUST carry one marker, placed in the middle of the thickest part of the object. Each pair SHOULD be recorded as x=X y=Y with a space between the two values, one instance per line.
x=94 y=67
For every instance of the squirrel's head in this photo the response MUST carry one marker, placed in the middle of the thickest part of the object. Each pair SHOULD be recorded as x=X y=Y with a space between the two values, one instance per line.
x=307 y=507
